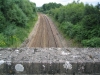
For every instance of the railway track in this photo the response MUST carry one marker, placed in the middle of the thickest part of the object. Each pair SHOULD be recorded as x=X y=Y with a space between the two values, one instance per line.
x=46 y=35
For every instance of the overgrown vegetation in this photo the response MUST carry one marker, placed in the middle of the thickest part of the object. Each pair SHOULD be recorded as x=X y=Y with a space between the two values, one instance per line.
x=80 y=22
x=16 y=20
x=46 y=7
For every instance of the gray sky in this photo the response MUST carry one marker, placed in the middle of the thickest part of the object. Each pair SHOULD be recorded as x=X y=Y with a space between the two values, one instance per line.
x=64 y=2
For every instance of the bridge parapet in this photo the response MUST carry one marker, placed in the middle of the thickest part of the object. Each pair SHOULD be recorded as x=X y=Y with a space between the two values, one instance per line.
x=58 y=61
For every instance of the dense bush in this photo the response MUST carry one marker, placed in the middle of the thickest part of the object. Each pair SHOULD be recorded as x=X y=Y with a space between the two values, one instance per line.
x=93 y=42
x=16 y=19
x=80 y=22
x=2 y=40
x=2 y=21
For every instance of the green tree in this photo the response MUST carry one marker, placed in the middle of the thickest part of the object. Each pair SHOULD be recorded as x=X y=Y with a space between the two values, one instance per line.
x=46 y=7
x=15 y=16
x=80 y=22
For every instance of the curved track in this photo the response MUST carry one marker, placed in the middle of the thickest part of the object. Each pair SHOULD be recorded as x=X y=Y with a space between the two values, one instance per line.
x=46 y=35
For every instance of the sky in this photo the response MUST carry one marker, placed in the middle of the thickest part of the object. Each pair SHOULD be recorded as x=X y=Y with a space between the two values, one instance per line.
x=64 y=2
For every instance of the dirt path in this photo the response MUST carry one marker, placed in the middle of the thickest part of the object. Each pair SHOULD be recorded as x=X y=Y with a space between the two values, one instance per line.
x=44 y=34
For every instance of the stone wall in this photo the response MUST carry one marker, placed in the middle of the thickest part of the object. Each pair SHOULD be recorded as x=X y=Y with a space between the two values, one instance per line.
x=50 y=61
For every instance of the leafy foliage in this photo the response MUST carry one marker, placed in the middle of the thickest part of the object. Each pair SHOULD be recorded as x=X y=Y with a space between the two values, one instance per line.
x=80 y=22
x=14 y=20
x=93 y=42
x=2 y=21
x=46 y=7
